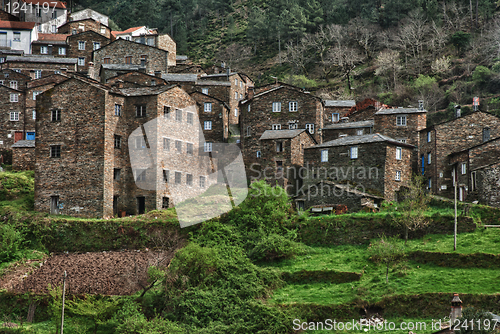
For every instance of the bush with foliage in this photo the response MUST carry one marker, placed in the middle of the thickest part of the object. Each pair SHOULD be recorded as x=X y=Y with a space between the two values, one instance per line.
x=481 y=75
x=10 y=243
x=276 y=247
x=475 y=321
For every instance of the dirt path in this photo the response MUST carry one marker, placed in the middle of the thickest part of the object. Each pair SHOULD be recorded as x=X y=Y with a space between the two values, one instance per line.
x=109 y=273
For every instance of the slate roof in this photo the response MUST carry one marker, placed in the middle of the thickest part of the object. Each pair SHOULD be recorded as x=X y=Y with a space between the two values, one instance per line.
x=144 y=91
x=122 y=67
x=281 y=134
x=41 y=59
x=180 y=57
x=347 y=188
x=213 y=83
x=340 y=103
x=185 y=77
x=24 y=143
x=400 y=111
x=364 y=139
x=350 y=125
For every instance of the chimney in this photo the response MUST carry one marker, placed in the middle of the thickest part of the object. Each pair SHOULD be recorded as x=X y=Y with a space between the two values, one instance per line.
x=456 y=308
x=475 y=103
x=250 y=93
x=158 y=74
x=458 y=111
x=421 y=105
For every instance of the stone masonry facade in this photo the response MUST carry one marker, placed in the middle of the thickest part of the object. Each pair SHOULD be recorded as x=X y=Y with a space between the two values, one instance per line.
x=82 y=45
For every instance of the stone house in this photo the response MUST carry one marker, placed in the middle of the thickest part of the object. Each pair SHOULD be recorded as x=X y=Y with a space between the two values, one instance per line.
x=92 y=158
x=50 y=45
x=37 y=67
x=36 y=14
x=371 y=163
x=213 y=115
x=280 y=107
x=23 y=155
x=237 y=91
x=471 y=164
x=126 y=52
x=87 y=24
x=82 y=45
x=135 y=79
x=335 y=109
x=108 y=71
x=437 y=142
x=281 y=157
x=342 y=129
x=18 y=35
x=12 y=116
x=14 y=79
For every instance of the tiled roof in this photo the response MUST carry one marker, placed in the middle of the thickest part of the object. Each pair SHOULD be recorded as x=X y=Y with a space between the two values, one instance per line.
x=129 y=30
x=364 y=139
x=400 y=111
x=24 y=143
x=142 y=91
x=350 y=125
x=52 y=37
x=185 y=77
x=17 y=25
x=340 y=103
x=41 y=59
x=59 y=4
x=281 y=134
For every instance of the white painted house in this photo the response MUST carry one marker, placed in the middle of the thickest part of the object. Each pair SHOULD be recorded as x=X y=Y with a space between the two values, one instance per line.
x=17 y=35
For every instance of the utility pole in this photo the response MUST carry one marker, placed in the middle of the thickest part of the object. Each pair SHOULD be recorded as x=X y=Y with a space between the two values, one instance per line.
x=62 y=311
x=455 y=229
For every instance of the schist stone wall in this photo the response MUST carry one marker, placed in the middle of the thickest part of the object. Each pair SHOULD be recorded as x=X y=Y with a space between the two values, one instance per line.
x=81 y=46
x=213 y=117
x=47 y=67
x=12 y=116
x=135 y=79
x=14 y=79
x=126 y=52
x=23 y=155
x=335 y=131
x=257 y=116
x=165 y=42
x=488 y=189
x=76 y=27
x=439 y=141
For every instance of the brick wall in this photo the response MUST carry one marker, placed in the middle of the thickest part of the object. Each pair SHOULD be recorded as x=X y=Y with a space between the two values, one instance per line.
x=89 y=38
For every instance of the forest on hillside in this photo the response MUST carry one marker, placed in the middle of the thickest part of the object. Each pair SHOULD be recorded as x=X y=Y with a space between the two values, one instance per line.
x=442 y=51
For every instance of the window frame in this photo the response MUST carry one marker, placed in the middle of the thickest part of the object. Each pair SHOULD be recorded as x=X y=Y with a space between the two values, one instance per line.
x=399 y=153
x=140 y=111
x=276 y=127
x=178 y=115
x=353 y=152
x=118 y=142
x=398 y=175
x=14 y=116
x=44 y=50
x=178 y=146
x=207 y=106
x=293 y=106
x=55 y=151
x=55 y=115
x=81 y=61
x=204 y=183
x=276 y=107
x=189 y=118
x=207 y=125
x=61 y=51
x=337 y=117
x=14 y=97
x=401 y=120
x=189 y=180
x=166 y=144
x=463 y=168
x=81 y=45
x=279 y=146
x=207 y=146
x=310 y=128
x=118 y=110
x=324 y=155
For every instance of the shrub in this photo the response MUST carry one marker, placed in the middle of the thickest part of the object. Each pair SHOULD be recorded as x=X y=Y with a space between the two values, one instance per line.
x=10 y=243
x=475 y=321
x=481 y=75
x=496 y=67
x=276 y=247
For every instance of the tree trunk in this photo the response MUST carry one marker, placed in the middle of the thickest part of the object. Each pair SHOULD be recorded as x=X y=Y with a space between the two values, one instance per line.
x=406 y=234
x=387 y=275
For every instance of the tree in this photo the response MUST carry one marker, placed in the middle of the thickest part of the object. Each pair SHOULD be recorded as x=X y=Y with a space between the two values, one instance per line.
x=427 y=89
x=460 y=40
x=412 y=204
x=388 y=65
x=98 y=308
x=297 y=56
x=345 y=58
x=387 y=251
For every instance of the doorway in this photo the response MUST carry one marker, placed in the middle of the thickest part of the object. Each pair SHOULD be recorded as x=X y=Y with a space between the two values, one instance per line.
x=54 y=205
x=141 y=205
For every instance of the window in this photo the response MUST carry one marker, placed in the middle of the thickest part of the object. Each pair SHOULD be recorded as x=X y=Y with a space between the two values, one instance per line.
x=140 y=175
x=249 y=131
x=279 y=146
x=359 y=132
x=44 y=50
x=428 y=136
x=429 y=155
x=293 y=126
x=38 y=74
x=293 y=106
x=140 y=111
x=276 y=106
x=53 y=28
x=81 y=61
x=398 y=175
x=178 y=177
x=55 y=115
x=166 y=112
x=276 y=126
x=35 y=94
x=202 y=182
x=236 y=81
x=464 y=168
x=235 y=95
x=473 y=181
x=249 y=107
x=116 y=174
x=401 y=120
x=81 y=45
x=103 y=30
x=310 y=128
x=204 y=91
x=207 y=147
x=54 y=14
x=17 y=36
x=236 y=112
x=38 y=12
x=74 y=32
x=189 y=148
x=189 y=179
x=153 y=82
x=324 y=155
x=140 y=143
x=118 y=141
x=14 y=97
x=2 y=60
x=279 y=166
x=189 y=117
x=62 y=51
x=354 y=152
x=258 y=154
x=241 y=96
x=165 y=203
x=486 y=134
x=207 y=107
x=151 y=41
x=335 y=117
x=402 y=140
x=55 y=151
x=178 y=115
x=166 y=144
x=128 y=60
x=429 y=183
x=97 y=46
x=178 y=146
x=13 y=84
x=207 y=125
x=118 y=110
x=34 y=114
x=39 y=27
x=399 y=153
x=14 y=116
x=144 y=59
x=166 y=173
x=107 y=60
